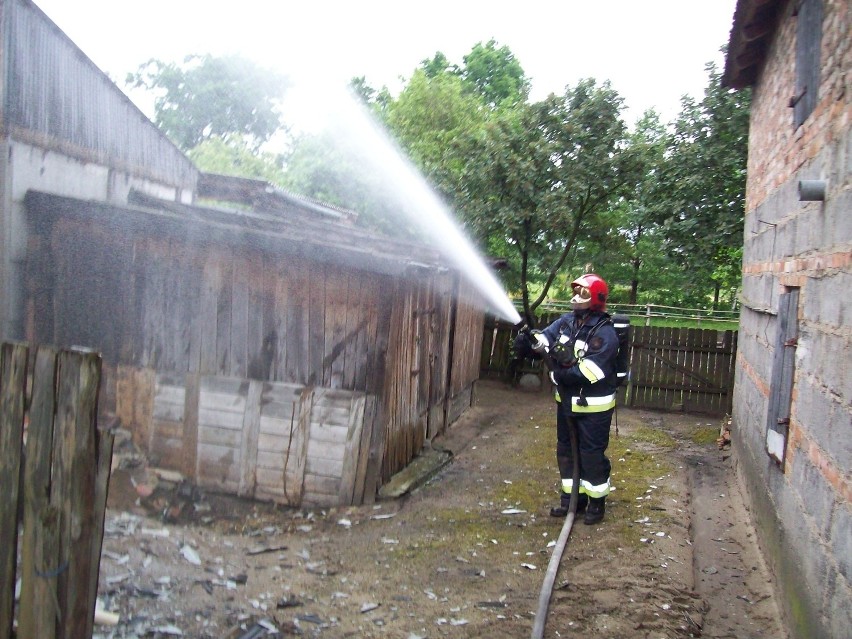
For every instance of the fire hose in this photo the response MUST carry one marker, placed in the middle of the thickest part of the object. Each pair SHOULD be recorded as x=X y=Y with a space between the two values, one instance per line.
x=562 y=541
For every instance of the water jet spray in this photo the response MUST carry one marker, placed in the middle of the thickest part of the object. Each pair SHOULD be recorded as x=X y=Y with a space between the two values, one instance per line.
x=337 y=112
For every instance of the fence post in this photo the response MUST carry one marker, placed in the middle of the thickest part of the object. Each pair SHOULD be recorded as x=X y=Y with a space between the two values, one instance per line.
x=38 y=611
x=75 y=464
x=13 y=379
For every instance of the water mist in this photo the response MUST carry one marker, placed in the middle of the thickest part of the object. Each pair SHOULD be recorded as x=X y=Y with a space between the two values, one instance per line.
x=336 y=112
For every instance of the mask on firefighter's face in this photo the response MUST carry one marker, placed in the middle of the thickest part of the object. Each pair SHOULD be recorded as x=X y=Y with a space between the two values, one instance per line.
x=582 y=298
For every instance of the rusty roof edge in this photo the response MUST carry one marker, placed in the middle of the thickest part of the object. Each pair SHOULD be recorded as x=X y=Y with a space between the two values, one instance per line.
x=226 y=187
x=754 y=25
x=369 y=252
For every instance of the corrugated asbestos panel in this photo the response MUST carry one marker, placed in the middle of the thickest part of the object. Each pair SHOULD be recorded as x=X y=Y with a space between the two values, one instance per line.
x=57 y=96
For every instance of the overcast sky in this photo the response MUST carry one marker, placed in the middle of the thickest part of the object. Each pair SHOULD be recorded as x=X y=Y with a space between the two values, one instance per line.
x=652 y=51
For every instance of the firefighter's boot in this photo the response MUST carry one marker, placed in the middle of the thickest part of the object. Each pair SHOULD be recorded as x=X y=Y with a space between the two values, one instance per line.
x=565 y=505
x=595 y=511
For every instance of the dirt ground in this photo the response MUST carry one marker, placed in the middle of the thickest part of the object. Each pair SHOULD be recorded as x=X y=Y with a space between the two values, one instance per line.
x=463 y=555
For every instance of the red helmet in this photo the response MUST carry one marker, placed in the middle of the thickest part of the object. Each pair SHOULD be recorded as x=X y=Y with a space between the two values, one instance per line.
x=590 y=291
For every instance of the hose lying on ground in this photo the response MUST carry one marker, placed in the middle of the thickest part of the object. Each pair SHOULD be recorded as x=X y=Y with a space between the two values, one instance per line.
x=558 y=549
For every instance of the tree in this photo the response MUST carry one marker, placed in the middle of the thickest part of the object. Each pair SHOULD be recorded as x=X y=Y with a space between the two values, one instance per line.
x=434 y=119
x=215 y=155
x=208 y=97
x=544 y=173
x=495 y=74
x=699 y=200
x=648 y=145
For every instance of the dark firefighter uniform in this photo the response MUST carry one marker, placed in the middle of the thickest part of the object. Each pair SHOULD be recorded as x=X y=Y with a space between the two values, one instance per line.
x=585 y=348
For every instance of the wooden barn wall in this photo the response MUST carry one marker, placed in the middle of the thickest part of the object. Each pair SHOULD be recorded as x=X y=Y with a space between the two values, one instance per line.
x=182 y=307
x=55 y=97
x=413 y=353
x=467 y=347
x=170 y=314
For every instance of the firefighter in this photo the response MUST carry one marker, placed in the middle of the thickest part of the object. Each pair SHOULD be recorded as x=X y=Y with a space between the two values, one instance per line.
x=583 y=345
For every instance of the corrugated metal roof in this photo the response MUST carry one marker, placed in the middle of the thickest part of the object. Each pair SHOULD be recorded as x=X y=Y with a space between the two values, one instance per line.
x=56 y=98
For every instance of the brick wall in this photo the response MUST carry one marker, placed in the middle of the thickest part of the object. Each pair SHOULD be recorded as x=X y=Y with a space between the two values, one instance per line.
x=803 y=507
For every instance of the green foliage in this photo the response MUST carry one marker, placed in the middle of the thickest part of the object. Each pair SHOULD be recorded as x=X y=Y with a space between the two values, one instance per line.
x=495 y=75
x=544 y=175
x=215 y=155
x=699 y=198
x=208 y=97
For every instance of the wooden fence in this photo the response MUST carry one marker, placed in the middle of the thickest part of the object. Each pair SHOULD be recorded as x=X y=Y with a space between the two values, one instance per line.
x=54 y=470
x=686 y=369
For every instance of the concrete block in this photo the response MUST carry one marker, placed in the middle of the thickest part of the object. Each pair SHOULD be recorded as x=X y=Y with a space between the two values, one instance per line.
x=839 y=617
x=817 y=495
x=840 y=537
x=823 y=300
x=814 y=411
x=838 y=220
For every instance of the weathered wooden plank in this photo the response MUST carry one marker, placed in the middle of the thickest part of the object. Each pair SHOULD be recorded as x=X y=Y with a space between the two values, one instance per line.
x=378 y=385
x=296 y=458
x=321 y=489
x=279 y=426
x=215 y=386
x=224 y=308
x=337 y=305
x=325 y=467
x=330 y=416
x=13 y=377
x=218 y=464
x=354 y=323
x=272 y=460
x=361 y=294
x=229 y=437
x=79 y=380
x=325 y=449
x=266 y=492
x=288 y=325
x=317 y=347
x=363 y=457
x=208 y=302
x=327 y=434
x=249 y=442
x=213 y=418
x=191 y=418
x=273 y=444
x=281 y=393
x=169 y=408
x=104 y=440
x=239 y=317
x=36 y=620
x=352 y=452
x=163 y=428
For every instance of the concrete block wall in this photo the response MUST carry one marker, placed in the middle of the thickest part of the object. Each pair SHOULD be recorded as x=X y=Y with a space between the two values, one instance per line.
x=803 y=508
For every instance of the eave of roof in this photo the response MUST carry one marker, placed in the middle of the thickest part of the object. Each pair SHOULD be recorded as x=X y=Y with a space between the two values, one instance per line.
x=318 y=239
x=754 y=26
x=265 y=196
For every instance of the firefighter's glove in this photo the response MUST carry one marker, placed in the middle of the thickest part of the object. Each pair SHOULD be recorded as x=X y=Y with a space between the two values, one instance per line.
x=522 y=344
x=539 y=341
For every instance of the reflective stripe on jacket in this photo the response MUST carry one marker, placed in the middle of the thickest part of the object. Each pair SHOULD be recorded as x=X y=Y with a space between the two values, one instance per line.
x=591 y=380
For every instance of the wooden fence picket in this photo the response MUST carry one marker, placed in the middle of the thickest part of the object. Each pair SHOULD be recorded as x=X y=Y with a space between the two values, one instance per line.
x=65 y=474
